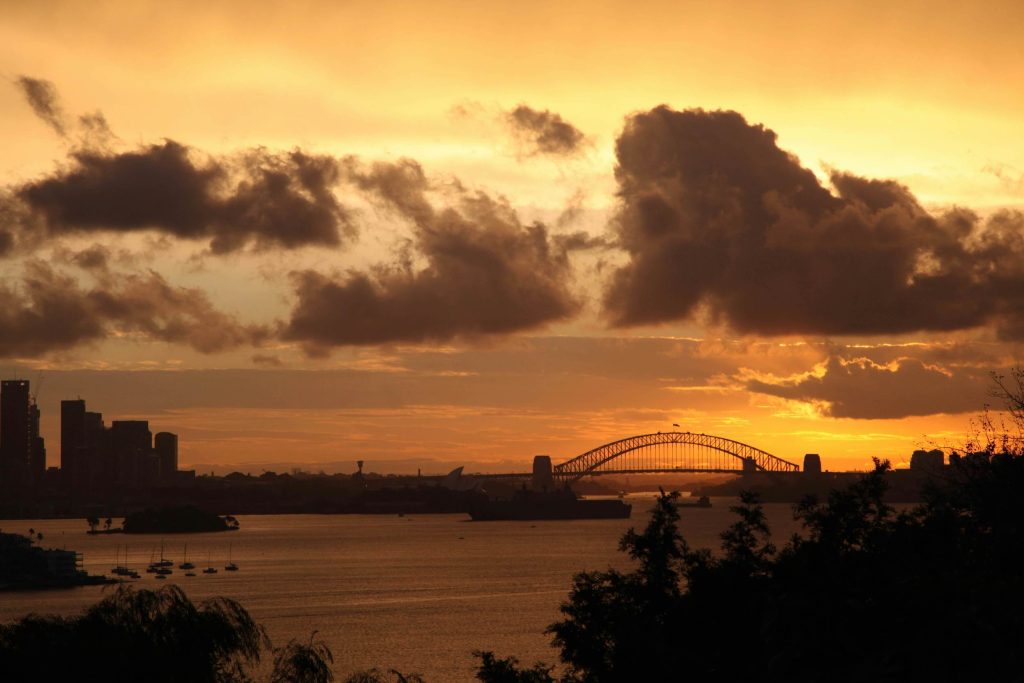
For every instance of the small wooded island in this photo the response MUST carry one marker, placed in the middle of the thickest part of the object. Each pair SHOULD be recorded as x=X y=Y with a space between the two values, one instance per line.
x=184 y=519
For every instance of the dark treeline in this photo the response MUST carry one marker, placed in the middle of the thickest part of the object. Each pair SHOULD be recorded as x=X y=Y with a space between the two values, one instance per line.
x=268 y=493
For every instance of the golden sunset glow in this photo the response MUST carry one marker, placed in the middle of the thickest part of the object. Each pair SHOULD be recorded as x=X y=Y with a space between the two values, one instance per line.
x=432 y=234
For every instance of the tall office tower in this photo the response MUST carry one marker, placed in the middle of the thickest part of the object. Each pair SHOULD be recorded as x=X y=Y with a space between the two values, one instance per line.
x=37 y=445
x=132 y=442
x=166 y=446
x=15 y=443
x=95 y=466
x=72 y=441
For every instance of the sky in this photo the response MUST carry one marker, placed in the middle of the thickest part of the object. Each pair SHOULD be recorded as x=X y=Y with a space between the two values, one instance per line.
x=316 y=232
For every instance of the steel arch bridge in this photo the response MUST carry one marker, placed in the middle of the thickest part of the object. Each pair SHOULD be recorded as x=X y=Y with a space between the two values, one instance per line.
x=671 y=452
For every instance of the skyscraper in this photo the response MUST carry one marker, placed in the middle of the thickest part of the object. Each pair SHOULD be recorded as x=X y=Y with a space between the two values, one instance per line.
x=15 y=435
x=96 y=466
x=166 y=446
x=37 y=445
x=132 y=442
x=72 y=441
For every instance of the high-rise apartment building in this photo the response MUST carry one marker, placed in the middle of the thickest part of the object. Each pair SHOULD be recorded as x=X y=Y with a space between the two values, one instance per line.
x=132 y=443
x=15 y=435
x=166 y=446
x=72 y=442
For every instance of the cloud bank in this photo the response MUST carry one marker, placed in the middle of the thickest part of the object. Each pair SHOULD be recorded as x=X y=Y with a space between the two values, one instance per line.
x=485 y=273
x=717 y=218
x=48 y=311
x=861 y=389
x=264 y=199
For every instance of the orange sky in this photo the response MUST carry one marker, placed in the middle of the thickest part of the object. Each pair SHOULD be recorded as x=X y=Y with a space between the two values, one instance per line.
x=919 y=93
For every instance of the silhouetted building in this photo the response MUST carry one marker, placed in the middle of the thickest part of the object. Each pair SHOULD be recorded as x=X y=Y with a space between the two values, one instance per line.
x=37 y=450
x=166 y=446
x=15 y=435
x=97 y=462
x=132 y=443
x=72 y=442
x=812 y=463
x=927 y=460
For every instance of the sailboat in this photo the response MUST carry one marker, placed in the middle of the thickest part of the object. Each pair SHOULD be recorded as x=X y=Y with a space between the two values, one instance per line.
x=186 y=564
x=230 y=566
x=210 y=569
x=164 y=562
x=122 y=569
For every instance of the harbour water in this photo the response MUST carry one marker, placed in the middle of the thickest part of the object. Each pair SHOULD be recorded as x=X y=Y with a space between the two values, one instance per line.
x=414 y=593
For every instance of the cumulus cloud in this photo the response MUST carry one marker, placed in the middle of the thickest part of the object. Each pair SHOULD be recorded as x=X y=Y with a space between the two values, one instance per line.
x=543 y=132
x=48 y=311
x=860 y=388
x=259 y=198
x=485 y=273
x=716 y=217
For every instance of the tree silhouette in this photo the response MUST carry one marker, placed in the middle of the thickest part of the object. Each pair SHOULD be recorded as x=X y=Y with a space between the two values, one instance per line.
x=377 y=676
x=156 y=636
x=299 y=662
x=864 y=593
x=495 y=670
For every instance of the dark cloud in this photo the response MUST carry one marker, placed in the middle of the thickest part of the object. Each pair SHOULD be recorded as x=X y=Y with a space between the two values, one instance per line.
x=96 y=257
x=259 y=198
x=485 y=273
x=42 y=97
x=716 y=217
x=582 y=241
x=50 y=311
x=860 y=388
x=544 y=132
x=267 y=360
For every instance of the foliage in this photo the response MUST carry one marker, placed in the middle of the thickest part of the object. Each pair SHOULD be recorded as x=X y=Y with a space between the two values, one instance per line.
x=299 y=662
x=180 y=519
x=495 y=670
x=377 y=676
x=864 y=593
x=133 y=635
x=20 y=561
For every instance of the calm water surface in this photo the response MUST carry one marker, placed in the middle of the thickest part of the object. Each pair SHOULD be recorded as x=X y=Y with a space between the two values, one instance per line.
x=415 y=593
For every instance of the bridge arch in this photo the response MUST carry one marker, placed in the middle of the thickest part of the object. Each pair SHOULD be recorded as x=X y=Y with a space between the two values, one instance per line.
x=672 y=451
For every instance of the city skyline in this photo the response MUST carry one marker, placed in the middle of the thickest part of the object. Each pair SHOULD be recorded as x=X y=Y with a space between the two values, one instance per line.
x=479 y=234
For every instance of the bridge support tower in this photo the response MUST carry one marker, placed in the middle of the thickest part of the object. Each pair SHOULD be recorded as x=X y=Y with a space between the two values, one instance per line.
x=543 y=479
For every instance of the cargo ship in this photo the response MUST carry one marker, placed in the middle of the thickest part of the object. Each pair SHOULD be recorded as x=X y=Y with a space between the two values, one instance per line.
x=533 y=505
